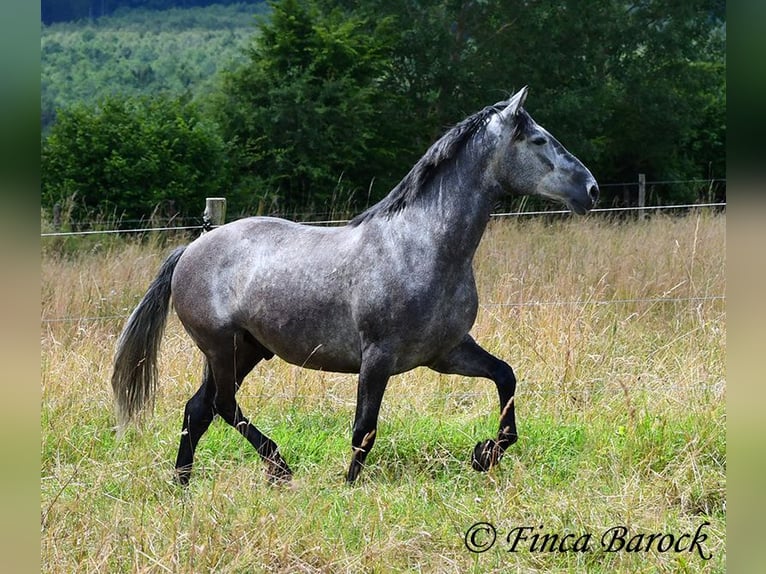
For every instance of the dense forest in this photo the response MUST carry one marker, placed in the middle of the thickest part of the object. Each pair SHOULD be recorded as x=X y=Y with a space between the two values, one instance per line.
x=72 y=10
x=141 y=52
x=313 y=106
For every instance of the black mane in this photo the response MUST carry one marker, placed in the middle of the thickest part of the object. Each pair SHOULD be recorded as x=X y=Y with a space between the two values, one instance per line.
x=445 y=148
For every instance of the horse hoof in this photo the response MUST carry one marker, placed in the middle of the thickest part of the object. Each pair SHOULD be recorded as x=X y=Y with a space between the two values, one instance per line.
x=279 y=479
x=485 y=455
x=278 y=472
x=182 y=476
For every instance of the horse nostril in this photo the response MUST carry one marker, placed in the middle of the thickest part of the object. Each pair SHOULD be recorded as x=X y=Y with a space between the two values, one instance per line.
x=593 y=192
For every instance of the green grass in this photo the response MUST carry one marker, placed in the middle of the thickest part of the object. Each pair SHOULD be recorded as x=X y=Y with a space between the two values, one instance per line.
x=620 y=406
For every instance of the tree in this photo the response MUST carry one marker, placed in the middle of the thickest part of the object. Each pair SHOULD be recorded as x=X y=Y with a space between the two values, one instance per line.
x=131 y=156
x=338 y=98
x=629 y=87
x=668 y=117
x=306 y=116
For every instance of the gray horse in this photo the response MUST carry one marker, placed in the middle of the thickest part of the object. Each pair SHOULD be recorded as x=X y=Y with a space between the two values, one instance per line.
x=390 y=291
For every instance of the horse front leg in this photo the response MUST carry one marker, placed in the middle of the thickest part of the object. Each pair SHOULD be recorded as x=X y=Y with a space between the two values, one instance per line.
x=373 y=378
x=470 y=360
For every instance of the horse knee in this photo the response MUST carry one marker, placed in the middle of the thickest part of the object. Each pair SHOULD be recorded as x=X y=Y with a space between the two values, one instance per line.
x=227 y=410
x=503 y=375
x=198 y=412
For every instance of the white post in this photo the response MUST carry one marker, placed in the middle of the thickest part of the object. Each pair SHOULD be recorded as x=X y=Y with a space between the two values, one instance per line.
x=57 y=216
x=641 y=195
x=215 y=213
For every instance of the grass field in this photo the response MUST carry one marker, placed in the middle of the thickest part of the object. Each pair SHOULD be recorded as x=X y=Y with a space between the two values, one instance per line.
x=616 y=331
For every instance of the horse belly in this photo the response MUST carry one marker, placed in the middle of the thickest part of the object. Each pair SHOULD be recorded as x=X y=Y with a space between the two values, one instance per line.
x=314 y=337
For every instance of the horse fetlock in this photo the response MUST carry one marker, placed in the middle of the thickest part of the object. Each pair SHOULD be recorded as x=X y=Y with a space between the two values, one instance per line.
x=506 y=437
x=182 y=475
x=277 y=470
x=368 y=441
x=486 y=455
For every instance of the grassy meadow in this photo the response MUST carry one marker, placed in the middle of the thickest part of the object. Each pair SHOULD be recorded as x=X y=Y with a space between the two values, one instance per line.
x=616 y=331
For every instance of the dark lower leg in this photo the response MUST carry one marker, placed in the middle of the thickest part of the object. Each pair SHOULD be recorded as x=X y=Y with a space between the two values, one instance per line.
x=469 y=359
x=276 y=467
x=488 y=453
x=198 y=415
x=361 y=444
x=230 y=372
x=373 y=379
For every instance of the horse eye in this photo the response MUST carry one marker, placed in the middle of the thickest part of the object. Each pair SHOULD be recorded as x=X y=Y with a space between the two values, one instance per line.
x=539 y=140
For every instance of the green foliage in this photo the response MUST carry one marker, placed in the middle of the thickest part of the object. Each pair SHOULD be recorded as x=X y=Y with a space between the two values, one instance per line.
x=131 y=157
x=307 y=114
x=333 y=101
x=628 y=89
x=671 y=98
x=140 y=53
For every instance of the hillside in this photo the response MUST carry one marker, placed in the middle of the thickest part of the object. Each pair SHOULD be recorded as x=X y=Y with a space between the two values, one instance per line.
x=138 y=52
x=52 y=11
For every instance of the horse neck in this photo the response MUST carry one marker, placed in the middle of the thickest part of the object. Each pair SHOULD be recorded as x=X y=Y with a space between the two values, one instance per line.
x=453 y=213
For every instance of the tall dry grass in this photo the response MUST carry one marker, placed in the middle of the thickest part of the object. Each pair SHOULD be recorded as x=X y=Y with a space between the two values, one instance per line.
x=617 y=336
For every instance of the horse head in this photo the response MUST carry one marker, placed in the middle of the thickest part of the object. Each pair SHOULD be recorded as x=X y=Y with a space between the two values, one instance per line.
x=529 y=161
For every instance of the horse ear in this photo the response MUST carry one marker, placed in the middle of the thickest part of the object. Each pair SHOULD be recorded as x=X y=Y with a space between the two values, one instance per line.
x=514 y=104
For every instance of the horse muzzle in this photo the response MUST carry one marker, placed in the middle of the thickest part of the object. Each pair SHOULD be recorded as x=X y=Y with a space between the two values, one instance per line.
x=582 y=203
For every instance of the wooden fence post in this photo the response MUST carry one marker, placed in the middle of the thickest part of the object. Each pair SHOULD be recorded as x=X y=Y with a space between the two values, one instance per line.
x=57 y=217
x=215 y=213
x=641 y=195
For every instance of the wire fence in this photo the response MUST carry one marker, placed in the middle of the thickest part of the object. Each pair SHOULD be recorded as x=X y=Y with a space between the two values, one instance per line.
x=605 y=210
x=327 y=216
x=615 y=209
x=579 y=393
x=581 y=390
x=596 y=387
x=573 y=302
x=649 y=300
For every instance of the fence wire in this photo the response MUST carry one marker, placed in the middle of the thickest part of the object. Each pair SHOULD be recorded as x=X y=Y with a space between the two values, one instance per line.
x=200 y=227
x=717 y=386
x=522 y=392
x=573 y=302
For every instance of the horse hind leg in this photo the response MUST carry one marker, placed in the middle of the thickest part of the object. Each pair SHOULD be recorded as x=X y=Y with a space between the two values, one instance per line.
x=229 y=371
x=277 y=469
x=198 y=415
x=221 y=380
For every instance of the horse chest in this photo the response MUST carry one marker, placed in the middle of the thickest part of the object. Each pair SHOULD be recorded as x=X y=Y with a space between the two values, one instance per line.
x=418 y=314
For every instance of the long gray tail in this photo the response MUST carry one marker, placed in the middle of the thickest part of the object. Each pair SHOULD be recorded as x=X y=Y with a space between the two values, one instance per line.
x=134 y=379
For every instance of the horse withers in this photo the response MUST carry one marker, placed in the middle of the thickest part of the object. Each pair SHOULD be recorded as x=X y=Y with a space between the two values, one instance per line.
x=390 y=291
